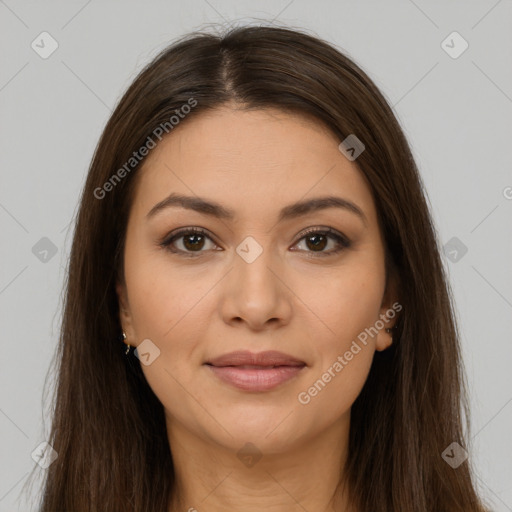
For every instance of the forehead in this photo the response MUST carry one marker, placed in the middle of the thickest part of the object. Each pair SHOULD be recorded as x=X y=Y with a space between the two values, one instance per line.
x=252 y=161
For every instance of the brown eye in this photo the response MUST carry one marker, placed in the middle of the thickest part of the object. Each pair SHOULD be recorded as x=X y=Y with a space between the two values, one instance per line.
x=316 y=240
x=191 y=240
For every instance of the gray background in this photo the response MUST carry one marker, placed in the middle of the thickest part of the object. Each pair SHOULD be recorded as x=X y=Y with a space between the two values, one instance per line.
x=456 y=112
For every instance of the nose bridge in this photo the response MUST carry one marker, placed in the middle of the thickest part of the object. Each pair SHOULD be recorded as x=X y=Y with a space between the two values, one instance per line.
x=256 y=293
x=254 y=260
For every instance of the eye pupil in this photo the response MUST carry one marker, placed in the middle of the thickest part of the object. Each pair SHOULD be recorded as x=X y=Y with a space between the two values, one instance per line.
x=317 y=244
x=194 y=245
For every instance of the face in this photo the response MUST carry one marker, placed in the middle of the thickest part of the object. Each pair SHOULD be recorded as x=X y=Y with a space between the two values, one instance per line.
x=256 y=275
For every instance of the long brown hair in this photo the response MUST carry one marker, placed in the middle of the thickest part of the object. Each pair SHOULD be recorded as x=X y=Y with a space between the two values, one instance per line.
x=108 y=426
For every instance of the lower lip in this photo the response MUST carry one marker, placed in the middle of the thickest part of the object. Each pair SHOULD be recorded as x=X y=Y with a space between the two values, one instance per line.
x=252 y=379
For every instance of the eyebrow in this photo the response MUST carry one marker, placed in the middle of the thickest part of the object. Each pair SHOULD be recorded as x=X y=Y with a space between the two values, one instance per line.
x=207 y=207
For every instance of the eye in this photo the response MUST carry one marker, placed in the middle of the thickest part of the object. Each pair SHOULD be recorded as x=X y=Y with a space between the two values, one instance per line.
x=318 y=238
x=193 y=240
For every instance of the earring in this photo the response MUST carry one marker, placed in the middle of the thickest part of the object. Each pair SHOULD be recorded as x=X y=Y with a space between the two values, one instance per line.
x=128 y=345
x=389 y=330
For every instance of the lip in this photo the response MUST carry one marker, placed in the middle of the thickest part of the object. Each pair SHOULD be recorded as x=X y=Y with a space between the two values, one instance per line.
x=267 y=358
x=253 y=372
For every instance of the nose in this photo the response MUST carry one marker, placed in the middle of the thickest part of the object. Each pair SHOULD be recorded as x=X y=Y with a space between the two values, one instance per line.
x=255 y=292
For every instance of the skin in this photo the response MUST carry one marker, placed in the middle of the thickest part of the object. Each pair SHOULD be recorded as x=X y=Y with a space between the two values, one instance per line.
x=290 y=298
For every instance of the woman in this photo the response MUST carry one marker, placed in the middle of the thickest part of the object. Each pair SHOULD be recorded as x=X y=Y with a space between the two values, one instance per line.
x=254 y=229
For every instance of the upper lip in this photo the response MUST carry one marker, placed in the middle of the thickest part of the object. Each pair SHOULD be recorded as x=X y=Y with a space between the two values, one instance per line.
x=244 y=357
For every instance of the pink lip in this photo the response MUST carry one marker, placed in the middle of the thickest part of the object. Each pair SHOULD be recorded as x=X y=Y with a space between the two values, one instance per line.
x=240 y=369
x=244 y=357
x=253 y=379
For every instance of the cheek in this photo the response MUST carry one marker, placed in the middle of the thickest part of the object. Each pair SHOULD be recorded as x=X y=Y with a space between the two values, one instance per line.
x=345 y=301
x=344 y=356
x=167 y=309
x=161 y=298
x=353 y=310
x=349 y=304
x=333 y=390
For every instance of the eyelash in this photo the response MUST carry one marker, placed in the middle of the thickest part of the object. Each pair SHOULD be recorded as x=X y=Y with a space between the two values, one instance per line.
x=343 y=242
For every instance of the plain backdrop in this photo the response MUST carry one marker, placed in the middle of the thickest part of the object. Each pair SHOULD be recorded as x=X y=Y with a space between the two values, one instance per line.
x=454 y=103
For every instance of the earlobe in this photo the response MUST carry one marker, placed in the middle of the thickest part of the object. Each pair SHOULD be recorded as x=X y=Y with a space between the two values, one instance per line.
x=386 y=325
x=384 y=339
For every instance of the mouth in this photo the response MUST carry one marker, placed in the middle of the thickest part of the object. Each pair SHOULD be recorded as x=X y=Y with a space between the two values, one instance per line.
x=256 y=372
x=255 y=366
x=262 y=360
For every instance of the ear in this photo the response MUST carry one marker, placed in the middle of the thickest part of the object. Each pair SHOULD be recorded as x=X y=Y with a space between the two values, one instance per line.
x=388 y=314
x=125 y=317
